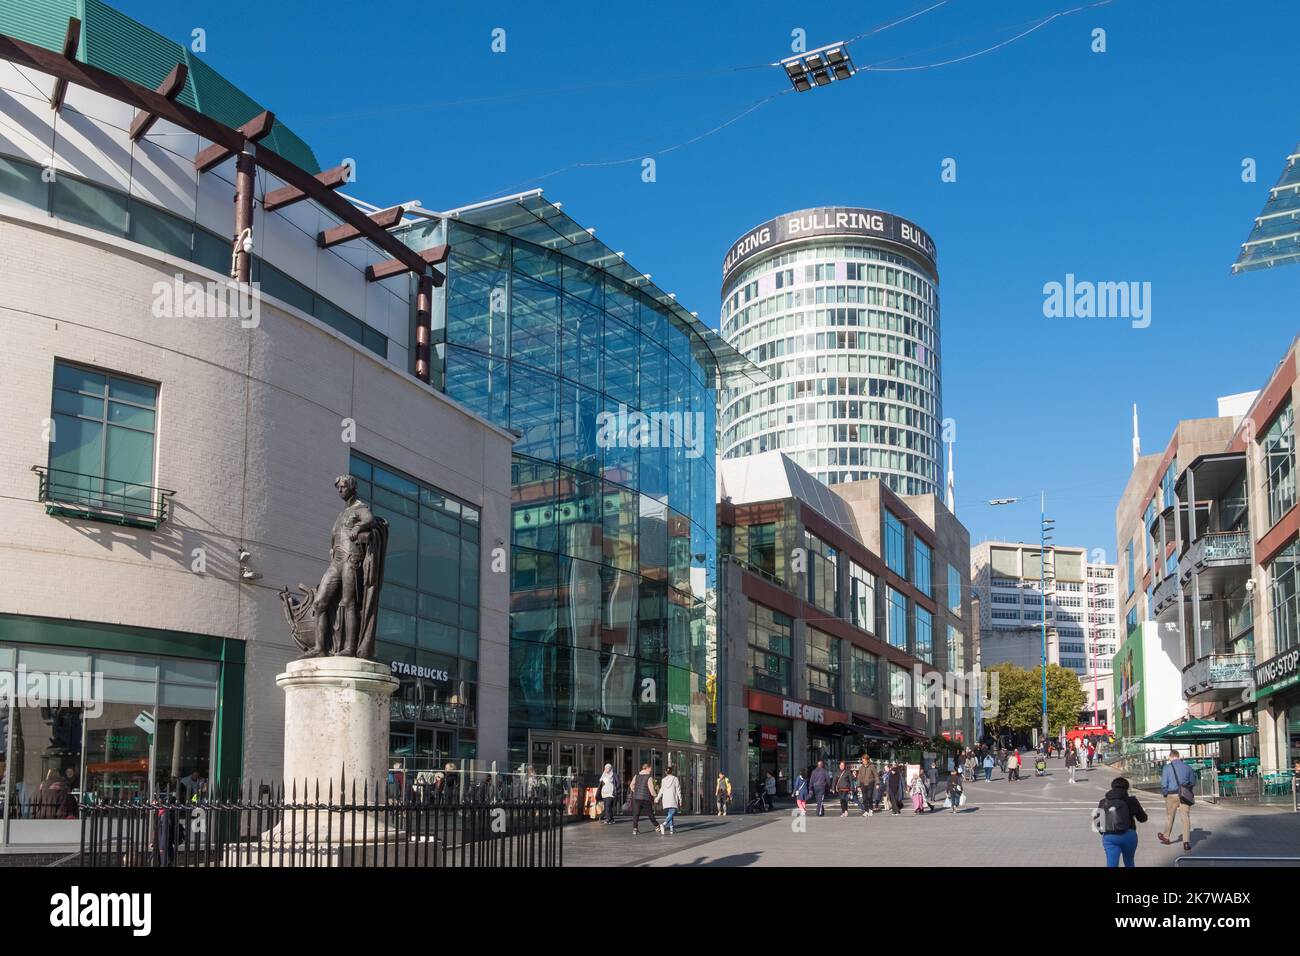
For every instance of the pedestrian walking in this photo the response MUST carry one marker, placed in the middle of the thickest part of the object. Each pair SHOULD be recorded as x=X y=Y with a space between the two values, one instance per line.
x=722 y=793
x=917 y=790
x=844 y=787
x=1118 y=814
x=954 y=791
x=868 y=780
x=820 y=781
x=932 y=773
x=1071 y=761
x=670 y=795
x=1002 y=759
x=643 y=799
x=801 y=792
x=1092 y=753
x=769 y=790
x=1013 y=765
x=988 y=766
x=1178 y=786
x=609 y=793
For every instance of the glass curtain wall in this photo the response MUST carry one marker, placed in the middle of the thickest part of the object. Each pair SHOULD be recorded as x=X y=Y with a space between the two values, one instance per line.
x=614 y=523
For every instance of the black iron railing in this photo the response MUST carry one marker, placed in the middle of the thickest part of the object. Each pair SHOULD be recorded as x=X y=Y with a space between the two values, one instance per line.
x=367 y=827
x=76 y=495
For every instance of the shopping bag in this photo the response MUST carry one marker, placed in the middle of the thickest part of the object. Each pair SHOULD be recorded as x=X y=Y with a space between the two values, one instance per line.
x=947 y=803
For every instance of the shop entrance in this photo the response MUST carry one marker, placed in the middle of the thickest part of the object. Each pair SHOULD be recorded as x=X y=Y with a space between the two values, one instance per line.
x=583 y=759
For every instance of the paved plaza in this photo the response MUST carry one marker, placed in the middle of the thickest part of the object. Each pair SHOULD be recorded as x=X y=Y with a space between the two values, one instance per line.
x=1038 y=821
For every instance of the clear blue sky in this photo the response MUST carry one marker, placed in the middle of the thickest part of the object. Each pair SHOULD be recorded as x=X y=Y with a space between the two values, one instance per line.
x=1117 y=166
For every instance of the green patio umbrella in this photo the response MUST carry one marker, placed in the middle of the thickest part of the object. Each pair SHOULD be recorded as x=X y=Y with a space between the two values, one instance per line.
x=1197 y=730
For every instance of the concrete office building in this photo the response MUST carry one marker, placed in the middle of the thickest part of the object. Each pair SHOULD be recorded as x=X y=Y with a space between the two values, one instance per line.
x=840 y=307
x=1080 y=604
x=832 y=598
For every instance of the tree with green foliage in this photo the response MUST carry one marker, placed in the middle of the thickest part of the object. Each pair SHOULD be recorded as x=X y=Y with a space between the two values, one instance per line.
x=1020 y=699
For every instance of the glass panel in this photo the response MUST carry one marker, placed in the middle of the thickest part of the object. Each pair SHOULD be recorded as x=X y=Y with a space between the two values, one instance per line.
x=129 y=666
x=160 y=230
x=89 y=205
x=43 y=774
x=189 y=672
x=183 y=751
x=117 y=752
x=22 y=181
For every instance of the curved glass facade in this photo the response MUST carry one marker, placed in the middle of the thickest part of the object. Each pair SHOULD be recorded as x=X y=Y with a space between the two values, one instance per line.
x=847 y=329
x=613 y=558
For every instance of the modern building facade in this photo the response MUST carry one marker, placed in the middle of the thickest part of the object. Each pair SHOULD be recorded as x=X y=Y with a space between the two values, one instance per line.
x=611 y=386
x=1076 y=594
x=840 y=307
x=171 y=465
x=832 y=600
x=1213 y=563
x=537 y=430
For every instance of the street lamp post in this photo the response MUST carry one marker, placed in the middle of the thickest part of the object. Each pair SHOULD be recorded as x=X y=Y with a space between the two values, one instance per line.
x=1045 y=525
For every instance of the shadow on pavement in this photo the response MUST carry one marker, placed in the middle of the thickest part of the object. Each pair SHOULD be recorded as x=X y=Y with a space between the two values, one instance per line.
x=735 y=859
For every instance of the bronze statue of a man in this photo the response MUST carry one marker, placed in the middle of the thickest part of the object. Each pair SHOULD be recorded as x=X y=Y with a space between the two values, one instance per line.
x=345 y=605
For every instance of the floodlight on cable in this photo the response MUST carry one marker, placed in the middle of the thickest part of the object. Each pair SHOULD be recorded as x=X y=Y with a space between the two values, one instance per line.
x=818 y=67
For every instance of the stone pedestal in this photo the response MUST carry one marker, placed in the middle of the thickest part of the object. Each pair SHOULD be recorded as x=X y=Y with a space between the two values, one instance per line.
x=336 y=725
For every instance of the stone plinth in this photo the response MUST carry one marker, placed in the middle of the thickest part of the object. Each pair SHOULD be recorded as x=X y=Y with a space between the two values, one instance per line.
x=335 y=725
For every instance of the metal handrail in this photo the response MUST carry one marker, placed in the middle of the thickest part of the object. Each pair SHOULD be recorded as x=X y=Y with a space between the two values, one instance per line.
x=100 y=496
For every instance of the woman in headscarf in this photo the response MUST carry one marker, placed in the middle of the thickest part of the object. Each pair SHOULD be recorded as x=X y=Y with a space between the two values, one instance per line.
x=609 y=792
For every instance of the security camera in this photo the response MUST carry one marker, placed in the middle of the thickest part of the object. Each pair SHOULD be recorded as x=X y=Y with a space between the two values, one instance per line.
x=244 y=555
x=248 y=243
x=1250 y=585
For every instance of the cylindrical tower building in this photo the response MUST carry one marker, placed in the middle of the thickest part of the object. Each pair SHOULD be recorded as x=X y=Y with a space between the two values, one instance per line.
x=840 y=307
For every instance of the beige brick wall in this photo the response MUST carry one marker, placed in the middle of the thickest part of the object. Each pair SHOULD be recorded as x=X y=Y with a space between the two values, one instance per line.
x=250 y=438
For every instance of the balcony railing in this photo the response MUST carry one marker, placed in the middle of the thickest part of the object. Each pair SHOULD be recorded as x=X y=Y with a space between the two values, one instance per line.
x=1165 y=595
x=1218 y=672
x=1218 y=549
x=75 y=495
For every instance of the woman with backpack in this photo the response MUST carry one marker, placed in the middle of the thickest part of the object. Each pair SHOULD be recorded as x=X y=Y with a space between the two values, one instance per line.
x=1118 y=817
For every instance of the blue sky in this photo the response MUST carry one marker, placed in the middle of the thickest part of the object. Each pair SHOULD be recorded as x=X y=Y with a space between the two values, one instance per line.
x=1116 y=166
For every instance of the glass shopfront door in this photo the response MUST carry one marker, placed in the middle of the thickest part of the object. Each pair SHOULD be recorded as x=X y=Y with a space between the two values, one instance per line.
x=111 y=725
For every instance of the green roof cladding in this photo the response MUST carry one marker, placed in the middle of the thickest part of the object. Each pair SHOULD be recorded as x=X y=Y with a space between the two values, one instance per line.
x=114 y=42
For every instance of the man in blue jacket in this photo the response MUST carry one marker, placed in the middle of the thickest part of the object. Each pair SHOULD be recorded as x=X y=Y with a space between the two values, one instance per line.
x=1176 y=776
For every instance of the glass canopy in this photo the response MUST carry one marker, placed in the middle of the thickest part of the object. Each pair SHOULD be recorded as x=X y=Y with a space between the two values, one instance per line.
x=1275 y=240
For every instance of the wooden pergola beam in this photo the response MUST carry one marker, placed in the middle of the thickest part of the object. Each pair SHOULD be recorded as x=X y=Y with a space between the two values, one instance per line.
x=258 y=128
x=170 y=88
x=221 y=136
x=288 y=195
x=71 y=40
x=282 y=169
x=395 y=267
x=384 y=219
x=117 y=88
